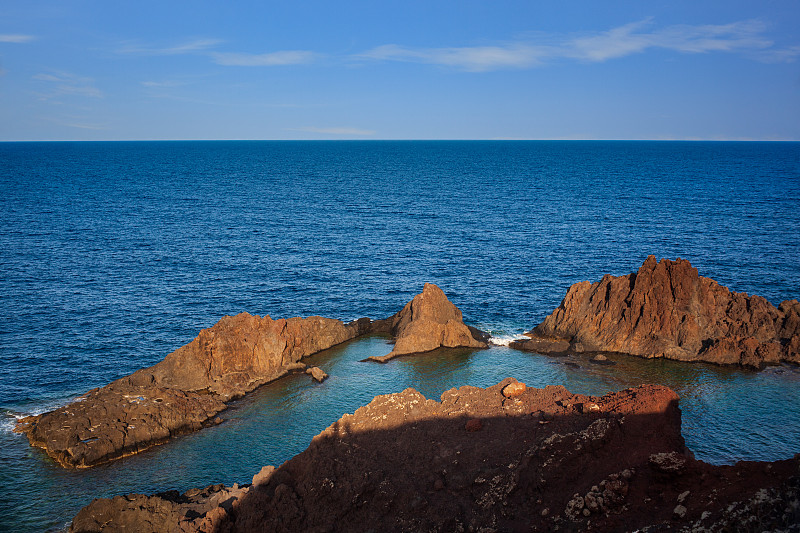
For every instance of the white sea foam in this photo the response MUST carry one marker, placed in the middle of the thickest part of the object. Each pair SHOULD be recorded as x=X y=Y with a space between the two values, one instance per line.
x=9 y=420
x=505 y=340
x=10 y=417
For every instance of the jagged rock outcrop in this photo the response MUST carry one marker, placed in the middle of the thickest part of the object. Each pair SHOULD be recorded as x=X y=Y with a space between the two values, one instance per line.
x=427 y=322
x=485 y=460
x=185 y=391
x=667 y=310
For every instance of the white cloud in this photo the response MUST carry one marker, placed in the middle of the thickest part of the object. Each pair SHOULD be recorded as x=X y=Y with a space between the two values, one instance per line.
x=779 y=55
x=272 y=59
x=475 y=59
x=64 y=83
x=336 y=131
x=15 y=38
x=636 y=37
x=190 y=47
x=633 y=38
x=161 y=84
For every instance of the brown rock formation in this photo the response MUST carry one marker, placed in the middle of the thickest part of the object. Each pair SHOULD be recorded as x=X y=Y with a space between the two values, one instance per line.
x=667 y=310
x=186 y=390
x=427 y=322
x=478 y=461
x=183 y=392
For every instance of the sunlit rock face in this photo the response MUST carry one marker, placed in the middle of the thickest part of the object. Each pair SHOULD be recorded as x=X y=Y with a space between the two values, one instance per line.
x=667 y=309
x=429 y=321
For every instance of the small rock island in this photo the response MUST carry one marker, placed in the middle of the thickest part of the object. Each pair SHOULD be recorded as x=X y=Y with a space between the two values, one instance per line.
x=667 y=309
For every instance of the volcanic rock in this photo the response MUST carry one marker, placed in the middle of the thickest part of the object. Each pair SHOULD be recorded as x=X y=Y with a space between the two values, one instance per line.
x=667 y=310
x=427 y=322
x=406 y=463
x=183 y=392
x=186 y=390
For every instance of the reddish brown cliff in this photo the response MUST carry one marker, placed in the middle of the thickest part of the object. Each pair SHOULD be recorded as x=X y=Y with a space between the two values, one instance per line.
x=667 y=310
x=427 y=322
x=506 y=458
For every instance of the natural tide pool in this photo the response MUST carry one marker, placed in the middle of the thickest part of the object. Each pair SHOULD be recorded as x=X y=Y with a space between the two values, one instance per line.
x=729 y=414
x=113 y=254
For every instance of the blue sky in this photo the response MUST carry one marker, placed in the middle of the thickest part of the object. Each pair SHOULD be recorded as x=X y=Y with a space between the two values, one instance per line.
x=87 y=70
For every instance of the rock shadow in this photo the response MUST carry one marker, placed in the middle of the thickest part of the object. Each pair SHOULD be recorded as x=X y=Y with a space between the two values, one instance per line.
x=485 y=459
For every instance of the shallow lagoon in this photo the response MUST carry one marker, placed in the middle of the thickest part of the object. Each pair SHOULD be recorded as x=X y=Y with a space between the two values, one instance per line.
x=728 y=414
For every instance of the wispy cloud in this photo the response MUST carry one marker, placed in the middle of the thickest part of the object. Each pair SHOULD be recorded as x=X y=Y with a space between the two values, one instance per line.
x=272 y=59
x=71 y=121
x=784 y=55
x=634 y=38
x=16 y=38
x=336 y=131
x=64 y=83
x=189 y=47
x=476 y=59
x=637 y=37
x=162 y=84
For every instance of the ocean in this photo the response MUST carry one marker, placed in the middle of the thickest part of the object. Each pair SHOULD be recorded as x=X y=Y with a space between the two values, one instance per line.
x=113 y=254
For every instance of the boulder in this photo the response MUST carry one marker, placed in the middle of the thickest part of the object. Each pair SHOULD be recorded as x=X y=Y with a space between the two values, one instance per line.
x=667 y=309
x=317 y=373
x=429 y=321
x=475 y=462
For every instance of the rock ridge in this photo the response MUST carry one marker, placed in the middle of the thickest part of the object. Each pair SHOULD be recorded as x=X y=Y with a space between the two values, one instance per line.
x=187 y=389
x=667 y=309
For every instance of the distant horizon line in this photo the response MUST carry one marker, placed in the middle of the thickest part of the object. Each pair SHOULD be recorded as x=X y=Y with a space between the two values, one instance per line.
x=395 y=140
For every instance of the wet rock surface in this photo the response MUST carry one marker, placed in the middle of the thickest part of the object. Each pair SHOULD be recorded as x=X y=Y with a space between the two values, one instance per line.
x=667 y=309
x=429 y=321
x=479 y=460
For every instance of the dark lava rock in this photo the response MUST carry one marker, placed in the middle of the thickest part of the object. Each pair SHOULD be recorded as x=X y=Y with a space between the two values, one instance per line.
x=611 y=463
x=667 y=310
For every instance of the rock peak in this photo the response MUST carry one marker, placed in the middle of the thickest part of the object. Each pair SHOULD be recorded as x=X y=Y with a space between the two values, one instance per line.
x=427 y=322
x=666 y=309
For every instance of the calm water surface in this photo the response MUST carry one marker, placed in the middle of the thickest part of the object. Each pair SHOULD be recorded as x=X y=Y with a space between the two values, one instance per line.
x=114 y=254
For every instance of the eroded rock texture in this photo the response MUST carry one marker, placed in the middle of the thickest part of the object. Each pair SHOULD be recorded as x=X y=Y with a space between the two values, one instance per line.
x=485 y=460
x=427 y=322
x=186 y=390
x=667 y=310
x=183 y=392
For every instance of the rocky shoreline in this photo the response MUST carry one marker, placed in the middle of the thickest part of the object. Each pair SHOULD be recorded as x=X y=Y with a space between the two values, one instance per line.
x=193 y=384
x=505 y=458
x=668 y=310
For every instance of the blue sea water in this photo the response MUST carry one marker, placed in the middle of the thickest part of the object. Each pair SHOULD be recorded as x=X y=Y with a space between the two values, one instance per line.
x=114 y=254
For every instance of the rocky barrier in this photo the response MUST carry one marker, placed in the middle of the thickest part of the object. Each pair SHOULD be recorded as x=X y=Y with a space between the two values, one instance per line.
x=429 y=321
x=505 y=458
x=186 y=390
x=667 y=309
